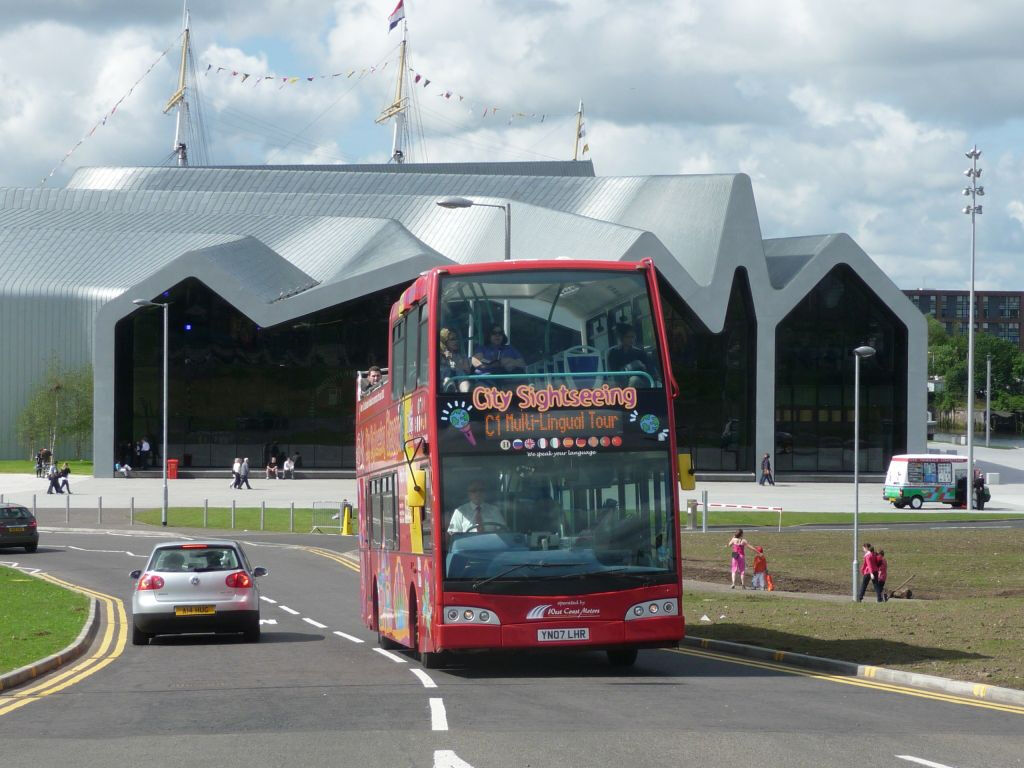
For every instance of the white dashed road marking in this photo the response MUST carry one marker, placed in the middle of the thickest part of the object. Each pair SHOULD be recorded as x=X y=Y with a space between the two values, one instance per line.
x=446 y=758
x=286 y=609
x=424 y=678
x=268 y=600
x=316 y=624
x=922 y=761
x=348 y=637
x=268 y=621
x=438 y=718
x=390 y=655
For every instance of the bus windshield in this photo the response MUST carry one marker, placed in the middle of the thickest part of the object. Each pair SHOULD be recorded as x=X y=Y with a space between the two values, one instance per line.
x=577 y=519
x=585 y=327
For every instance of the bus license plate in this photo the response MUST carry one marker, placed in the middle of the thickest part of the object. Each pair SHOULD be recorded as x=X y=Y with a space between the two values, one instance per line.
x=193 y=610
x=563 y=635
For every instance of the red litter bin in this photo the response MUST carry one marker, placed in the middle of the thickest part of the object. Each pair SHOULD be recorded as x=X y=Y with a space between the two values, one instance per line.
x=172 y=469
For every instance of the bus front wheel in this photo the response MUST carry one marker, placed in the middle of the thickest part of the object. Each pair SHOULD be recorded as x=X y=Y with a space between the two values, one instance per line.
x=622 y=657
x=915 y=502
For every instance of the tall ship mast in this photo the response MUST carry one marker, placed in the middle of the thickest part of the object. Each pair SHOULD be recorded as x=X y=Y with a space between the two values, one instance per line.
x=178 y=99
x=398 y=108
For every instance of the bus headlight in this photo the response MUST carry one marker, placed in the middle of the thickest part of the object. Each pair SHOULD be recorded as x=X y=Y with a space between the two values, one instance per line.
x=651 y=610
x=467 y=614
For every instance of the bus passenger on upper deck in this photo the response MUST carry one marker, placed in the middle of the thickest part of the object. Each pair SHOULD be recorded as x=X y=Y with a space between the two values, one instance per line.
x=453 y=363
x=476 y=515
x=497 y=355
x=629 y=357
x=374 y=378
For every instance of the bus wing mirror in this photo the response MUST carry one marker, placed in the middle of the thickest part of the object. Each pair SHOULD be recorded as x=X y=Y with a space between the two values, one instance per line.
x=687 y=476
x=416 y=494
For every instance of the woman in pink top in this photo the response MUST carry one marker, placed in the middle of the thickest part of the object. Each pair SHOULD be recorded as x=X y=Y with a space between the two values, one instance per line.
x=869 y=572
x=739 y=558
x=883 y=572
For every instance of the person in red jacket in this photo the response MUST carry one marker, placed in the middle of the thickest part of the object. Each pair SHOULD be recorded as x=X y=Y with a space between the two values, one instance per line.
x=869 y=572
x=760 y=569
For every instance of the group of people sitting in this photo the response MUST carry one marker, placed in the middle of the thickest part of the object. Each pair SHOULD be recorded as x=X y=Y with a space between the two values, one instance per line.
x=286 y=469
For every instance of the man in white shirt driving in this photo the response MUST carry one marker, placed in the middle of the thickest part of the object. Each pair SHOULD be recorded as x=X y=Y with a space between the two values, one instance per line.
x=476 y=515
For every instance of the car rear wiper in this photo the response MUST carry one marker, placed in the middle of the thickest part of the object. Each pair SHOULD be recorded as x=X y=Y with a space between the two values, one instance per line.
x=511 y=569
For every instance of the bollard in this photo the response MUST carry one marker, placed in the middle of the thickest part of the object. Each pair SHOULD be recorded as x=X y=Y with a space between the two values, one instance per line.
x=780 y=519
x=33 y=505
x=67 y=510
x=206 y=510
x=691 y=513
x=99 y=510
x=263 y=514
x=291 y=519
x=131 y=511
x=704 y=517
x=232 y=514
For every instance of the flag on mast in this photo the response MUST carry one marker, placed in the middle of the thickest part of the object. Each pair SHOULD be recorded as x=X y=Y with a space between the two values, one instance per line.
x=396 y=15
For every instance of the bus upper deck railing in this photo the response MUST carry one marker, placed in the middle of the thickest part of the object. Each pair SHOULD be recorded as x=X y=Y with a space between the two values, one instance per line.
x=553 y=375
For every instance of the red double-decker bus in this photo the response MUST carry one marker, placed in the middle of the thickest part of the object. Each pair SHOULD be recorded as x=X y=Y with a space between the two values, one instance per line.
x=516 y=469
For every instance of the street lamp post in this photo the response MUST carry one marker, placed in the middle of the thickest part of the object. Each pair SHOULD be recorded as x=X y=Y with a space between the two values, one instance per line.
x=988 y=399
x=465 y=202
x=973 y=191
x=163 y=453
x=858 y=353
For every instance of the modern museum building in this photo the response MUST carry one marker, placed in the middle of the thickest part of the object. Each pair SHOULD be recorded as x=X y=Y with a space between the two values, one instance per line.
x=280 y=281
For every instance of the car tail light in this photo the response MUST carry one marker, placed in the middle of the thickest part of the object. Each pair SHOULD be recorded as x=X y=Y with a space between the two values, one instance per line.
x=238 y=580
x=32 y=523
x=150 y=581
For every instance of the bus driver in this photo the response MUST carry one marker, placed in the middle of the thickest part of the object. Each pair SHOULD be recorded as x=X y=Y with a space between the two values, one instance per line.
x=476 y=515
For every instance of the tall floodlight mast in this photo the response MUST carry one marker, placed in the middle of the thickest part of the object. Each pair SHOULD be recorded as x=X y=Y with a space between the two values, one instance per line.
x=398 y=107
x=178 y=99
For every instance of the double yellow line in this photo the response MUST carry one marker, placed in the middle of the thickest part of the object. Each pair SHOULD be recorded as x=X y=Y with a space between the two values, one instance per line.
x=855 y=681
x=335 y=556
x=115 y=636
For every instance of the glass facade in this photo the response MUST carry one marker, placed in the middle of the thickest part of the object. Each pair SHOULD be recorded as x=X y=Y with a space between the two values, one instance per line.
x=814 y=372
x=716 y=373
x=239 y=390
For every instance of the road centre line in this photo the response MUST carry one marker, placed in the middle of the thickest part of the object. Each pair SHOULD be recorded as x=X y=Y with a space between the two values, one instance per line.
x=335 y=556
x=106 y=551
x=424 y=678
x=316 y=624
x=286 y=609
x=845 y=680
x=921 y=761
x=268 y=600
x=446 y=758
x=348 y=637
x=115 y=637
x=438 y=717
x=390 y=655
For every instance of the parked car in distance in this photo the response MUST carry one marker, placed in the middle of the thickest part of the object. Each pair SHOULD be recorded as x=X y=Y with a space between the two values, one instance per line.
x=18 y=527
x=196 y=586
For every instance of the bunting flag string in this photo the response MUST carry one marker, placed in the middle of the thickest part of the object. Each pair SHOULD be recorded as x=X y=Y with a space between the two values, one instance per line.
x=282 y=80
x=109 y=114
x=476 y=107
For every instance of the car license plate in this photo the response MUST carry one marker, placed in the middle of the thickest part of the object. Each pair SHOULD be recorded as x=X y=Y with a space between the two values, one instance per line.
x=193 y=610
x=563 y=635
x=16 y=530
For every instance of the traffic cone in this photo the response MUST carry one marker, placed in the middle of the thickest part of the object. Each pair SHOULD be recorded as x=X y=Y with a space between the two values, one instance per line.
x=346 y=522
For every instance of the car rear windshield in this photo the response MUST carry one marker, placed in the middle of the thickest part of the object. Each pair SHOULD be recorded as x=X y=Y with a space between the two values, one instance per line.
x=14 y=513
x=184 y=558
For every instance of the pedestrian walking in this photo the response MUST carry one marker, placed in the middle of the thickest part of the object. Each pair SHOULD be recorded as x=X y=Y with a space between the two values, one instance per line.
x=766 y=471
x=236 y=472
x=39 y=464
x=244 y=474
x=869 y=572
x=738 y=545
x=883 y=572
x=760 y=569
x=53 y=475
x=65 y=472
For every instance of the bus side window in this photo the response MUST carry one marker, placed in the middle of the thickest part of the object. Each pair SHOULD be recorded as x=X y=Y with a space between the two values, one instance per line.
x=412 y=339
x=427 y=522
x=423 y=372
x=372 y=507
x=388 y=512
x=397 y=371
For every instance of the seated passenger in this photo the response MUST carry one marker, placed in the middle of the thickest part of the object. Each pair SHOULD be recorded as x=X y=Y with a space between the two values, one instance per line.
x=476 y=515
x=374 y=378
x=497 y=355
x=453 y=363
x=629 y=357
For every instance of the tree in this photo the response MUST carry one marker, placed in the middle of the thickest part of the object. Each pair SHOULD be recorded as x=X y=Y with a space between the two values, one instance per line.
x=59 y=410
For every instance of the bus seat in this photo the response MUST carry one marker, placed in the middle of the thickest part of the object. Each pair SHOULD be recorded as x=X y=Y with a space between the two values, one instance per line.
x=580 y=359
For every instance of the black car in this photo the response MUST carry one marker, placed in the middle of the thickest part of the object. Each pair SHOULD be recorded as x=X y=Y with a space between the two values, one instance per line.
x=18 y=527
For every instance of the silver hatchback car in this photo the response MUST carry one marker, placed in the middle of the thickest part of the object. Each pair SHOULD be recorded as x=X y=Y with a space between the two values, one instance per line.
x=196 y=586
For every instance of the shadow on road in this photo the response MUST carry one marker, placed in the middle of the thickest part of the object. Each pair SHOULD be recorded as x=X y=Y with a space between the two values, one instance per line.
x=266 y=637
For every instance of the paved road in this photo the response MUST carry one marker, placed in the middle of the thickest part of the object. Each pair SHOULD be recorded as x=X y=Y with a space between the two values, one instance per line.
x=308 y=696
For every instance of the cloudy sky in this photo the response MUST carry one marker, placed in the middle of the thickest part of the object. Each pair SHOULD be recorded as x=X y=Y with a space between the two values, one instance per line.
x=848 y=116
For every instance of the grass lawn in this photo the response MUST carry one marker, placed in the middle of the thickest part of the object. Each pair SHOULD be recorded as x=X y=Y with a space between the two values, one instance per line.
x=36 y=618
x=741 y=519
x=966 y=621
x=27 y=467
x=246 y=518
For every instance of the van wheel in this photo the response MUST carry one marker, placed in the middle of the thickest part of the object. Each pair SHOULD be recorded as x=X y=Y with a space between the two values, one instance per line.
x=899 y=504
x=915 y=502
x=622 y=657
